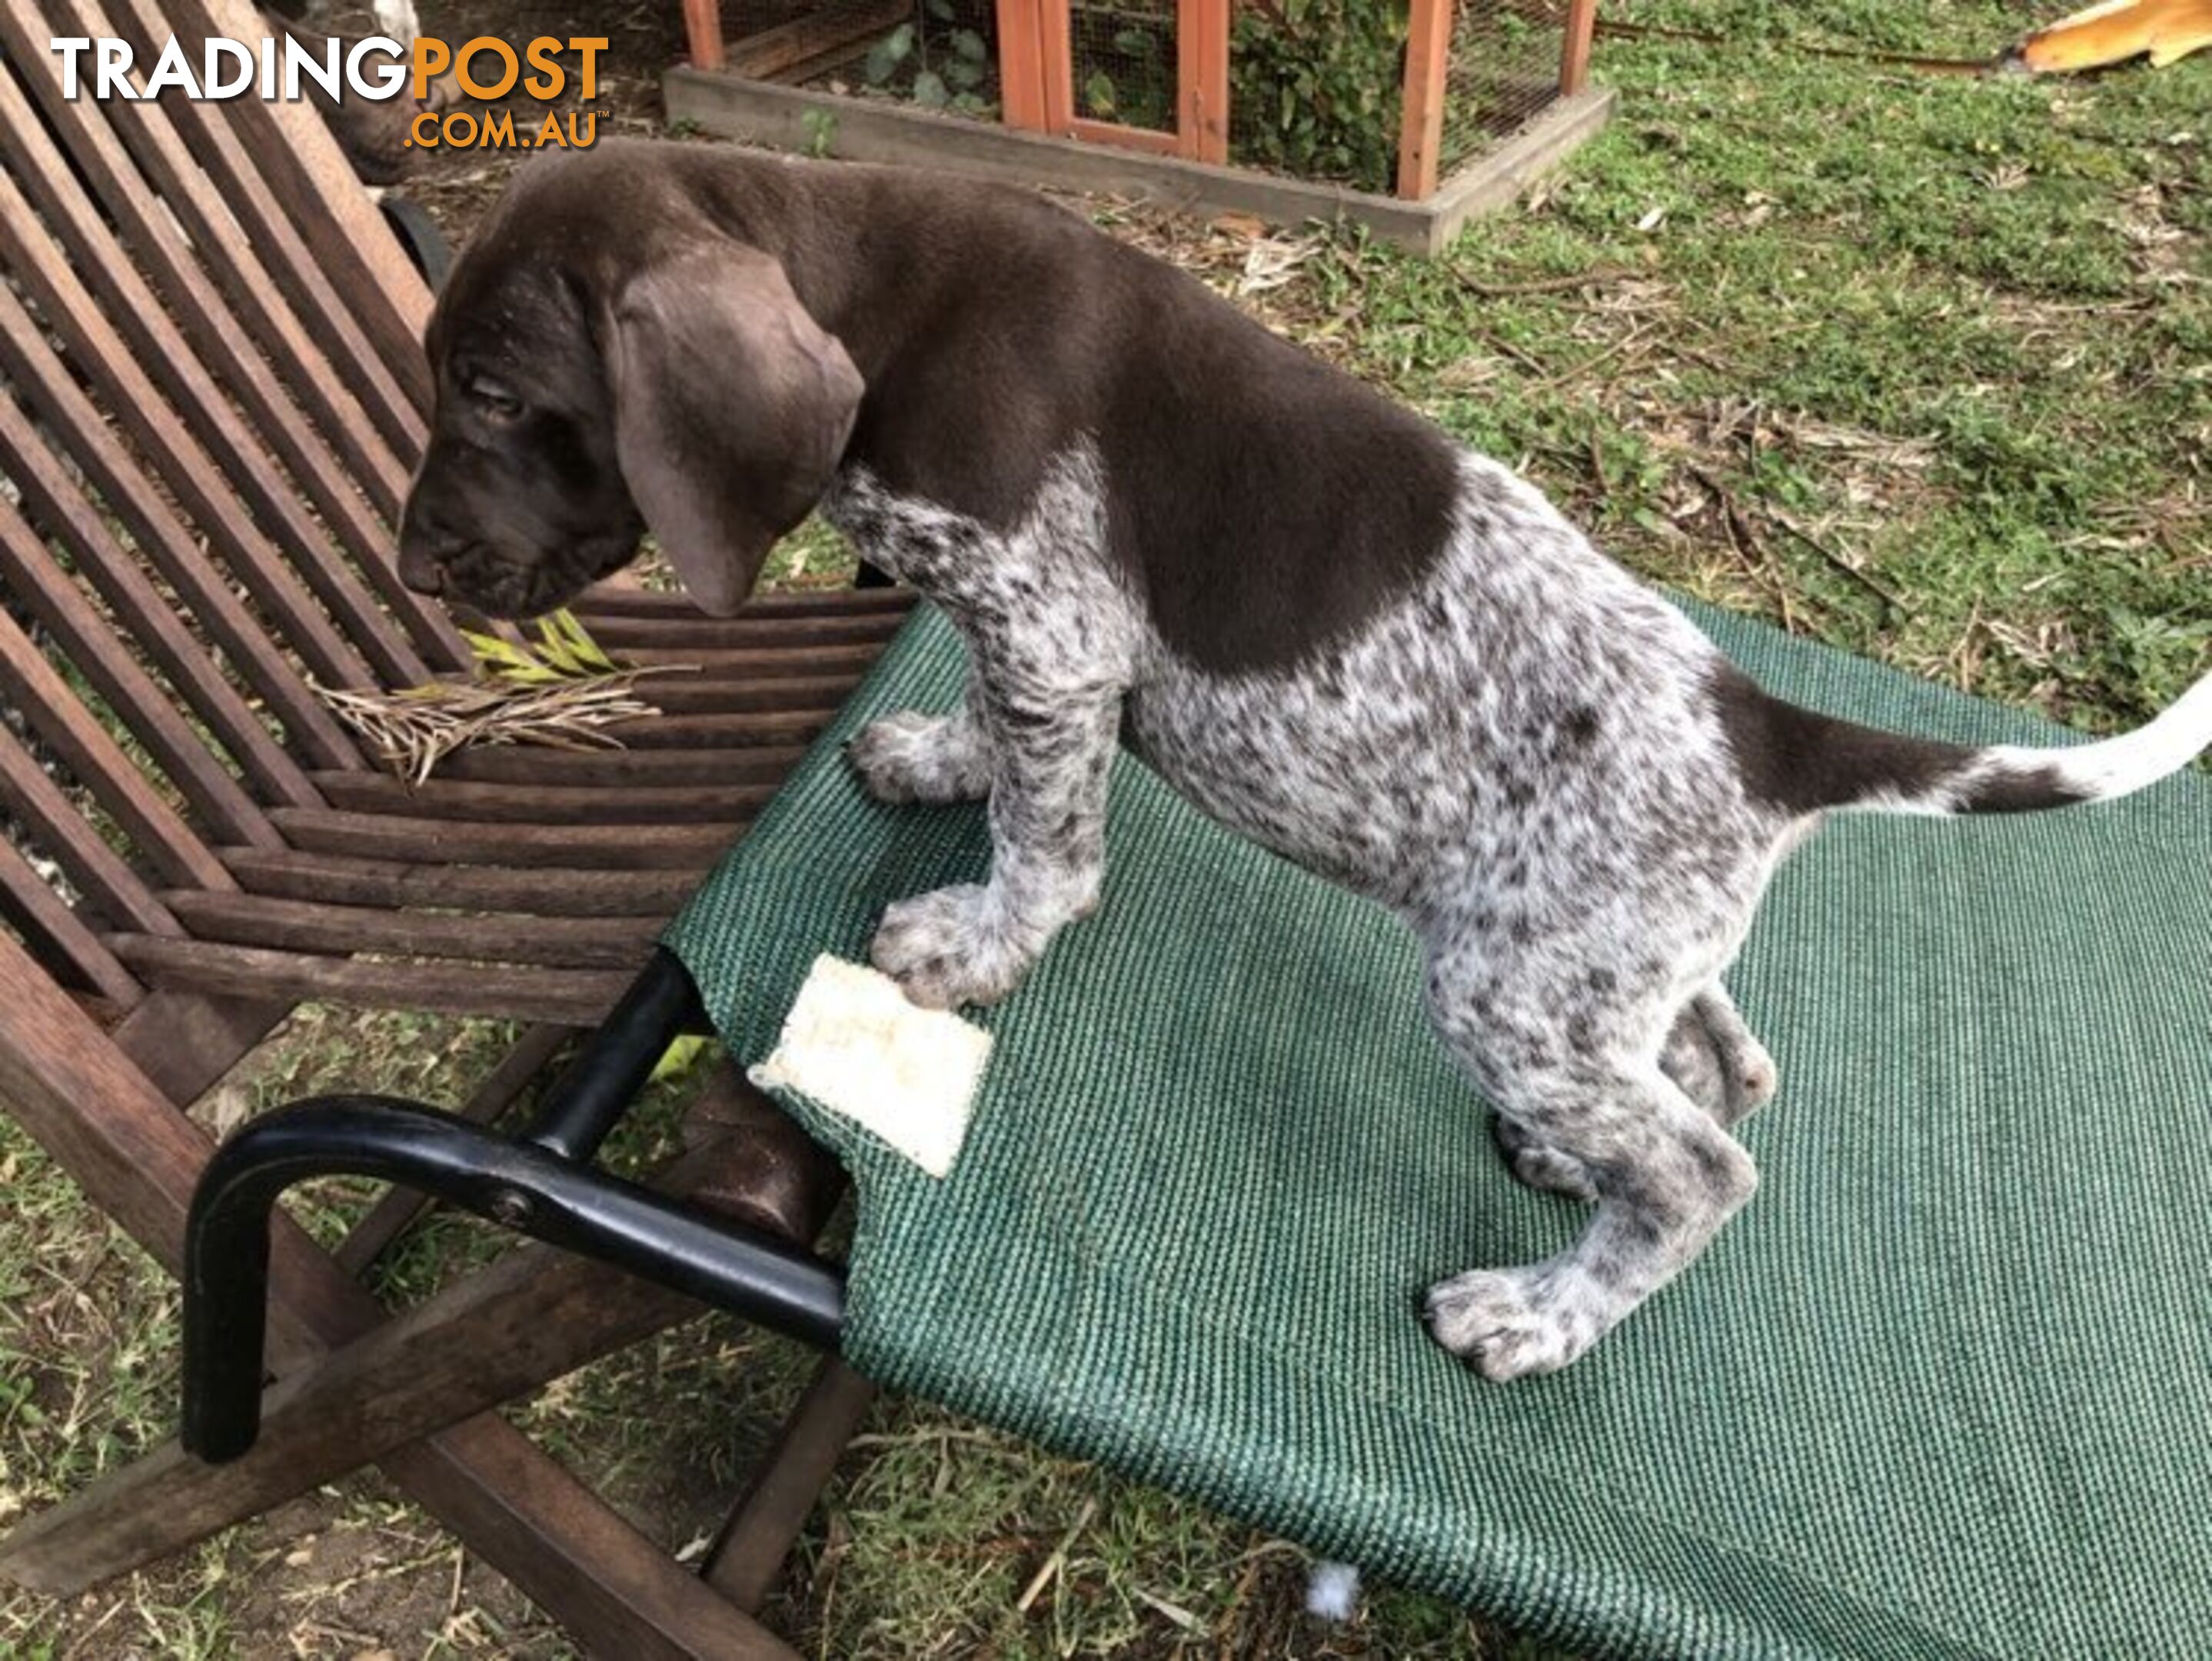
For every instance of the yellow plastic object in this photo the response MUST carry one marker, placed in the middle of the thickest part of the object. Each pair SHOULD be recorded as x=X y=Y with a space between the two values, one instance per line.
x=2169 y=30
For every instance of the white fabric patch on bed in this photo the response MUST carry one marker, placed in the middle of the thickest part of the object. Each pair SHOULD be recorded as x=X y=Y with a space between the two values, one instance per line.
x=854 y=1044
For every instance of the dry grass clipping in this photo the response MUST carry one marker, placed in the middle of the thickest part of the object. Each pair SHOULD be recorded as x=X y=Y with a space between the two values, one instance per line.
x=563 y=692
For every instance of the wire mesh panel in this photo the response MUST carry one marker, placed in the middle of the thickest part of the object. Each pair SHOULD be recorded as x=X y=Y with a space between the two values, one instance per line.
x=1318 y=88
x=935 y=54
x=1122 y=57
x=1503 y=70
x=1315 y=88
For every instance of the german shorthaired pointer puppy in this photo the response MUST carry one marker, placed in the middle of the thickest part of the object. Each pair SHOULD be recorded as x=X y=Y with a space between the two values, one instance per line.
x=1322 y=620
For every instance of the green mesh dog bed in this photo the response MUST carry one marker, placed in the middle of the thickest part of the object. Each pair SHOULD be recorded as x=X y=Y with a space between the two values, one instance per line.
x=1944 y=1388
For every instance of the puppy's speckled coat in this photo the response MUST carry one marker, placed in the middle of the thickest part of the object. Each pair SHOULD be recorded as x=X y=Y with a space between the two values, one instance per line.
x=1327 y=626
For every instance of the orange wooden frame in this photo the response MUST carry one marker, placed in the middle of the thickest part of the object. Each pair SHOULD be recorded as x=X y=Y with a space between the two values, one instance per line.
x=703 y=32
x=1421 y=125
x=1202 y=80
x=1574 y=59
x=1037 y=75
x=1023 y=102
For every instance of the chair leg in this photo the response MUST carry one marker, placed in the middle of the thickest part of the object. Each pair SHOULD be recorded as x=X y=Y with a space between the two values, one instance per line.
x=749 y=1553
x=531 y=1316
x=615 y=1592
x=137 y=1158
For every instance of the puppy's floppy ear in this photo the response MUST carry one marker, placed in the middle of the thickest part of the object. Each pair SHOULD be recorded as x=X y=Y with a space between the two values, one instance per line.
x=732 y=407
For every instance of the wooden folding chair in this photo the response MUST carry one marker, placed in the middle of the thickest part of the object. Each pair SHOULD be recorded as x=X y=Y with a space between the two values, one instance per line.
x=212 y=391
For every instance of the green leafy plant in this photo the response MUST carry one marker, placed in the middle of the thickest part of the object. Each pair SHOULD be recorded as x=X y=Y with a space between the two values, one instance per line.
x=1314 y=86
x=945 y=77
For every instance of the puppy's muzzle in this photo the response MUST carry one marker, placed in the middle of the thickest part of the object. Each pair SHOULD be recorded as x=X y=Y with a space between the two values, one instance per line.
x=421 y=570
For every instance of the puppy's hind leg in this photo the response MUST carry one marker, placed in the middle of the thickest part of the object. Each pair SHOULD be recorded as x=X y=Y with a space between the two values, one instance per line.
x=910 y=756
x=1748 y=1077
x=1714 y=1060
x=1665 y=1175
x=1537 y=1164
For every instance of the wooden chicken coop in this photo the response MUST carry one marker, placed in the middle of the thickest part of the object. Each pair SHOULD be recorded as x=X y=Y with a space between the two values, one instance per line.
x=1409 y=115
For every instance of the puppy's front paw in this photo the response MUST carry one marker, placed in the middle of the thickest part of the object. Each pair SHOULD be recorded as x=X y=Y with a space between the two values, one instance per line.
x=1508 y=1323
x=910 y=756
x=947 y=948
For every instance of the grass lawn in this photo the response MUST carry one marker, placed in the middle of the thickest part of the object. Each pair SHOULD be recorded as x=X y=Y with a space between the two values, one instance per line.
x=1921 y=366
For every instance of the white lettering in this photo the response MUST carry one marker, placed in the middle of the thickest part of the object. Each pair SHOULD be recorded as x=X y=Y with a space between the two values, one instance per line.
x=212 y=85
x=383 y=78
x=298 y=60
x=172 y=71
x=72 y=48
x=114 y=65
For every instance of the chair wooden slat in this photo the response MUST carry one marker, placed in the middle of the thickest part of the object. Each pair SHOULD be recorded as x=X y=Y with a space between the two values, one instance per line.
x=751 y=631
x=618 y=599
x=669 y=730
x=104 y=140
x=126 y=492
x=458 y=799
x=282 y=174
x=215 y=332
x=162 y=839
x=714 y=693
x=752 y=662
x=132 y=350
x=544 y=891
x=56 y=936
x=222 y=803
x=60 y=828
x=522 y=764
x=593 y=847
x=486 y=938
x=576 y=997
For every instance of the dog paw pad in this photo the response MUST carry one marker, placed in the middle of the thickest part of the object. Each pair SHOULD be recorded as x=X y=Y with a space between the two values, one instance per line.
x=1506 y=1324
x=948 y=948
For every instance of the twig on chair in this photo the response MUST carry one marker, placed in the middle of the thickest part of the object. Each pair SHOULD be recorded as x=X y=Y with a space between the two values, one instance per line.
x=564 y=692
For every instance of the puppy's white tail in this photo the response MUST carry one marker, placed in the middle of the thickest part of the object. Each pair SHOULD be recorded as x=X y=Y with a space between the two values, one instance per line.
x=1806 y=762
x=2124 y=765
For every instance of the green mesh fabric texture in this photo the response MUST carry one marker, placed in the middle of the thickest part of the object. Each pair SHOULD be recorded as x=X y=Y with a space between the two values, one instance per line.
x=1944 y=1388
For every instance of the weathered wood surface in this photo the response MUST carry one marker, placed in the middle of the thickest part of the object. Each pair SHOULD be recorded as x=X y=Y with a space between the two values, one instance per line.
x=217 y=343
x=577 y=997
x=554 y=891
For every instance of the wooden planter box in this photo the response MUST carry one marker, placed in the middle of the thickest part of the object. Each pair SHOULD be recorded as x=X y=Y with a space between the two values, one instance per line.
x=754 y=88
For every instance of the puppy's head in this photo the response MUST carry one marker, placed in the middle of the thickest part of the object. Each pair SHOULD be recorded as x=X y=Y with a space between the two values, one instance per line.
x=608 y=363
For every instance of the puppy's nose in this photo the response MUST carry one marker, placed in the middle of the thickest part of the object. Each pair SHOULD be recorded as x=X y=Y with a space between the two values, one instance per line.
x=419 y=568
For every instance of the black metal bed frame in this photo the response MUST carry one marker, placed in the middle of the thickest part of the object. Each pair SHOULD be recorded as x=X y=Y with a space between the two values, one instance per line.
x=541 y=1182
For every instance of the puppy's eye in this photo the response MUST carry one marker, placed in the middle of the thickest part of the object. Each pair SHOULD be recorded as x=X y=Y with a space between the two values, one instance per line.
x=492 y=397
